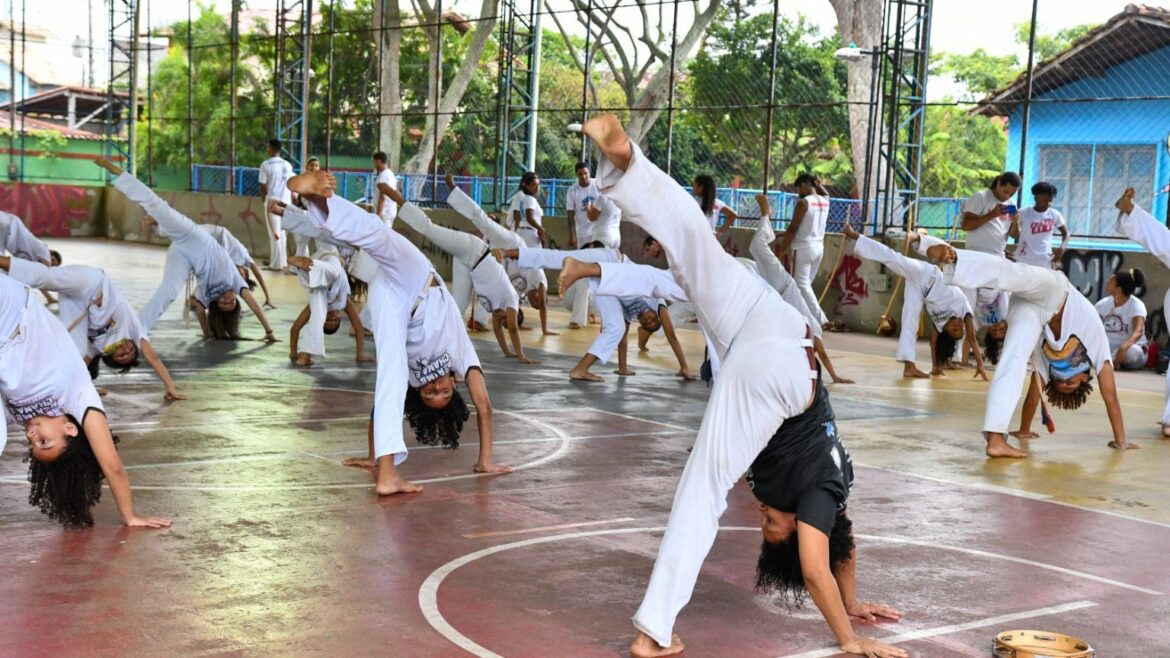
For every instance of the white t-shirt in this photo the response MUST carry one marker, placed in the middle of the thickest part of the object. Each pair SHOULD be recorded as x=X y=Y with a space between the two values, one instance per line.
x=389 y=208
x=944 y=302
x=113 y=321
x=577 y=199
x=992 y=236
x=436 y=340
x=528 y=202
x=1118 y=320
x=812 y=228
x=632 y=307
x=327 y=278
x=713 y=217
x=991 y=307
x=236 y=249
x=1036 y=230
x=37 y=376
x=274 y=174
x=607 y=229
x=215 y=273
x=1082 y=345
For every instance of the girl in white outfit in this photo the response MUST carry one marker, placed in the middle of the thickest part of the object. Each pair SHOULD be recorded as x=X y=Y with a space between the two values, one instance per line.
x=422 y=345
x=1124 y=318
x=1052 y=323
x=17 y=240
x=243 y=260
x=327 y=283
x=101 y=323
x=1141 y=227
x=768 y=375
x=47 y=392
x=987 y=215
x=804 y=241
x=217 y=280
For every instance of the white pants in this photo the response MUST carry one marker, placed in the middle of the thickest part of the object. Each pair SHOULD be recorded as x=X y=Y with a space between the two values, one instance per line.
x=405 y=272
x=19 y=241
x=277 y=246
x=327 y=268
x=918 y=275
x=1037 y=295
x=499 y=237
x=772 y=270
x=75 y=285
x=486 y=275
x=577 y=299
x=190 y=247
x=764 y=377
x=302 y=245
x=1141 y=227
x=553 y=259
x=806 y=262
x=1036 y=260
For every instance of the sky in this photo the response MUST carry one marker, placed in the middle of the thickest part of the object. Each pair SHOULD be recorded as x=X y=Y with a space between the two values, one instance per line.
x=959 y=26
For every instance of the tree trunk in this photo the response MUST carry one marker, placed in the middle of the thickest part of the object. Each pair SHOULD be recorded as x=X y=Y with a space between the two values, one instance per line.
x=860 y=22
x=453 y=94
x=389 y=81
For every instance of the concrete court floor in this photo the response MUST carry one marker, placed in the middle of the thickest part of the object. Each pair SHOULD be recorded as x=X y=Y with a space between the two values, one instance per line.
x=277 y=549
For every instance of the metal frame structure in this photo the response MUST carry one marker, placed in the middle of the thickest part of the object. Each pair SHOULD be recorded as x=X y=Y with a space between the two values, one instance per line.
x=905 y=63
x=123 y=61
x=293 y=43
x=519 y=83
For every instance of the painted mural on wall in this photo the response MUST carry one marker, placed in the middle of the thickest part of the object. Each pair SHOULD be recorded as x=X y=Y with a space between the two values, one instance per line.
x=57 y=211
x=849 y=283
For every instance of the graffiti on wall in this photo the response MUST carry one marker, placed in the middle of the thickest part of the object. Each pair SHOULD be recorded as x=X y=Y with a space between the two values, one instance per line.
x=849 y=283
x=49 y=210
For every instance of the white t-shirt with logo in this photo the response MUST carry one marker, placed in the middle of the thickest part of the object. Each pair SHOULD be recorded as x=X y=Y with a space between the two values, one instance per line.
x=38 y=375
x=1118 y=320
x=1082 y=341
x=991 y=238
x=113 y=321
x=944 y=302
x=991 y=306
x=436 y=340
x=236 y=249
x=812 y=227
x=389 y=208
x=274 y=175
x=1036 y=228
x=526 y=230
x=577 y=199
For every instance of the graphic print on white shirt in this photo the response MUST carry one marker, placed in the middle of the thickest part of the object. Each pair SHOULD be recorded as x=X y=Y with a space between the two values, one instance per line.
x=1119 y=320
x=577 y=200
x=1036 y=229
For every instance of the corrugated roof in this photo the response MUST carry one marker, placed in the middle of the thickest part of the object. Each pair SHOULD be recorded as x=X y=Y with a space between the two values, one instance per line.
x=30 y=124
x=1136 y=31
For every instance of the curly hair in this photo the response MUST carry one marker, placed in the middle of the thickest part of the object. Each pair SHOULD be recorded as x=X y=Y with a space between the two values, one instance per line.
x=1068 y=400
x=66 y=489
x=992 y=348
x=436 y=426
x=224 y=325
x=944 y=348
x=778 y=568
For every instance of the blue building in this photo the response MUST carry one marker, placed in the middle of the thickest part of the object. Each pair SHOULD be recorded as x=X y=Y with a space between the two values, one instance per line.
x=1099 y=120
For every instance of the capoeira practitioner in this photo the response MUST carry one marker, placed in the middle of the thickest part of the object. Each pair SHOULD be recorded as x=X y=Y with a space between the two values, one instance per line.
x=492 y=288
x=422 y=345
x=719 y=216
x=18 y=241
x=768 y=380
x=768 y=266
x=1124 y=316
x=46 y=390
x=217 y=281
x=950 y=314
x=1141 y=227
x=274 y=175
x=327 y=283
x=1050 y=321
x=384 y=181
x=804 y=241
x=1033 y=229
x=101 y=323
x=534 y=283
x=240 y=256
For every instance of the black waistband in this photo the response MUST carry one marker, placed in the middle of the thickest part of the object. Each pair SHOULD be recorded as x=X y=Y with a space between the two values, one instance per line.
x=486 y=252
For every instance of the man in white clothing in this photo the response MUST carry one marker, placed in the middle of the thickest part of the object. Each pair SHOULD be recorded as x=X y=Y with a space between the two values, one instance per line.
x=274 y=175
x=384 y=181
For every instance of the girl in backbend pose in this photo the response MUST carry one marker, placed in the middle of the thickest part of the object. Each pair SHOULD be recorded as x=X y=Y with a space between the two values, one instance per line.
x=768 y=379
x=46 y=390
x=422 y=345
x=218 y=282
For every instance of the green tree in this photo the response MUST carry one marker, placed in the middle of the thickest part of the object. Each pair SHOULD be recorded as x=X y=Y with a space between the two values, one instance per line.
x=960 y=152
x=1050 y=45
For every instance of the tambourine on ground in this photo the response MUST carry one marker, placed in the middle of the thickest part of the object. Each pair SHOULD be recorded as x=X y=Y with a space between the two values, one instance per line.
x=1039 y=644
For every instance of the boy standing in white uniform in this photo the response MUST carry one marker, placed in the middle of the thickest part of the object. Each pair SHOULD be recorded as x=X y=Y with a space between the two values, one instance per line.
x=1033 y=229
x=274 y=175
x=384 y=181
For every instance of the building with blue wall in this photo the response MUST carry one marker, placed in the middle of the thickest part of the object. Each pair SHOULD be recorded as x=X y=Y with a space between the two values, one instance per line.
x=1099 y=120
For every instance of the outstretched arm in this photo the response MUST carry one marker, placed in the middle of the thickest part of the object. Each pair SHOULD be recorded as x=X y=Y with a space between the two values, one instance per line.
x=1028 y=411
x=797 y=218
x=483 y=420
x=729 y=217
x=97 y=431
x=675 y=346
x=847 y=586
x=970 y=344
x=294 y=335
x=355 y=320
x=160 y=369
x=269 y=334
x=498 y=330
x=263 y=286
x=622 y=350
x=1113 y=407
x=201 y=315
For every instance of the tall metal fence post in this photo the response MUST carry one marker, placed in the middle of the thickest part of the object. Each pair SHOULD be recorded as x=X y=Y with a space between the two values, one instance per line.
x=670 y=92
x=1027 y=111
x=771 y=98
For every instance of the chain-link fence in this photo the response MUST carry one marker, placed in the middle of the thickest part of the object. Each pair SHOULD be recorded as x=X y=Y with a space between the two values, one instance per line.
x=750 y=94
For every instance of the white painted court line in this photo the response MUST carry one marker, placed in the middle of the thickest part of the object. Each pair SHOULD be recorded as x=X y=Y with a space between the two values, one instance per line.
x=640 y=420
x=563 y=526
x=1001 y=621
x=428 y=593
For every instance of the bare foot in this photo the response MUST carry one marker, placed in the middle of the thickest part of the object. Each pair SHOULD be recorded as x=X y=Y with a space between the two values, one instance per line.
x=584 y=376
x=942 y=253
x=1125 y=203
x=1022 y=434
x=491 y=468
x=625 y=373
x=546 y=332
x=644 y=646
x=607 y=132
x=911 y=371
x=764 y=206
x=528 y=362
x=450 y=182
x=842 y=380
x=102 y=392
x=997 y=446
x=359 y=462
x=396 y=485
x=1166 y=430
x=572 y=270
x=574 y=325
x=303 y=360
x=313 y=183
